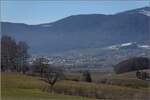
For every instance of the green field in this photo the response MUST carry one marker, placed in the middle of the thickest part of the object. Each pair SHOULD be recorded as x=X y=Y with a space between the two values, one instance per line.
x=16 y=86
x=127 y=79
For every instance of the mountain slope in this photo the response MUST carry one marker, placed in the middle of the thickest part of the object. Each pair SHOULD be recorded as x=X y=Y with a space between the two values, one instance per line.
x=82 y=31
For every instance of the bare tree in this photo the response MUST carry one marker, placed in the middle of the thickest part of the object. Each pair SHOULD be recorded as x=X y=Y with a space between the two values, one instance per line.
x=52 y=75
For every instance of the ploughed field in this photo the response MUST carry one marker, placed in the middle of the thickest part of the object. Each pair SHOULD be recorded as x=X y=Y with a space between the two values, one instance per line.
x=108 y=86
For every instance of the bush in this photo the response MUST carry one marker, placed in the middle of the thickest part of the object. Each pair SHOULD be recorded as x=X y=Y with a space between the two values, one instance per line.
x=86 y=76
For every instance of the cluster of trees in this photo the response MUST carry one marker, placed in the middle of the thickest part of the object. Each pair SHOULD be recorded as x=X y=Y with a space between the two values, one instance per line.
x=14 y=54
x=132 y=64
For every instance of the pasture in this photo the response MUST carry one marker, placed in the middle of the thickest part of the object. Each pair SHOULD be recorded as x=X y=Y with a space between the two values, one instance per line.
x=16 y=86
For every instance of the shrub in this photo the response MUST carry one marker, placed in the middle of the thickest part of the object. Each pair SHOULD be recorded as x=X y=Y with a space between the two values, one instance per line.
x=86 y=76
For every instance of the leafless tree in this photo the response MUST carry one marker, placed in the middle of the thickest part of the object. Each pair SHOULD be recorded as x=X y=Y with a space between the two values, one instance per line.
x=52 y=75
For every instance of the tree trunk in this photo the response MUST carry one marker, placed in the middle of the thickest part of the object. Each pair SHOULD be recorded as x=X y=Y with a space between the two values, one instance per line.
x=51 y=88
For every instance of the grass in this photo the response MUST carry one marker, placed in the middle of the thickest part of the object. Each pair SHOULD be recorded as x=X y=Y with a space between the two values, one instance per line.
x=125 y=86
x=101 y=91
x=90 y=86
x=127 y=79
x=21 y=81
x=34 y=94
x=16 y=86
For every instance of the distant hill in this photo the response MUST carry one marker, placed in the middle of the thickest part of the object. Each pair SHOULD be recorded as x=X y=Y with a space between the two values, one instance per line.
x=83 y=31
x=132 y=64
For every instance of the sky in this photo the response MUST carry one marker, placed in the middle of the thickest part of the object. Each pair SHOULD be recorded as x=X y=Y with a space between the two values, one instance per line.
x=37 y=12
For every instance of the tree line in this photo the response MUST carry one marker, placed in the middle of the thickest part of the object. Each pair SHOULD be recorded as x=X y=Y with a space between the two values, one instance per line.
x=14 y=54
x=132 y=64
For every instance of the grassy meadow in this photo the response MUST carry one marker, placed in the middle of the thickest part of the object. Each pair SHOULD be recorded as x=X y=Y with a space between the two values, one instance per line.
x=16 y=86
x=127 y=79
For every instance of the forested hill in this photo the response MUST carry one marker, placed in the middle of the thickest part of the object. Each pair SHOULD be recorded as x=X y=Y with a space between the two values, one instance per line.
x=83 y=31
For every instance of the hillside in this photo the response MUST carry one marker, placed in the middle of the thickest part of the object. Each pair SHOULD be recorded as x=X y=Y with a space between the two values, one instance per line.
x=82 y=31
x=132 y=64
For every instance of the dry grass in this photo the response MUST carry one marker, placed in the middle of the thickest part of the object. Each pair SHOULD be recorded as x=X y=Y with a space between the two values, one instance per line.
x=16 y=86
